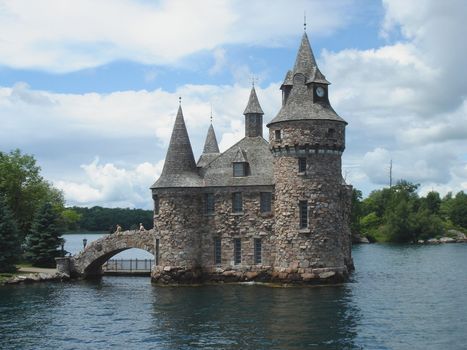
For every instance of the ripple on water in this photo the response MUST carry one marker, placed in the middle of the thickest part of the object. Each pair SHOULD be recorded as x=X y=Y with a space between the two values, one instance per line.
x=400 y=297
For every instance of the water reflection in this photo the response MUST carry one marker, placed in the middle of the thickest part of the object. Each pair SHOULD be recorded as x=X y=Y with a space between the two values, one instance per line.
x=235 y=317
x=401 y=297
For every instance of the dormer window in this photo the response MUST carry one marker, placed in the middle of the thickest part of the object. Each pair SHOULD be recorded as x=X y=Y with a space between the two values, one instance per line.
x=240 y=169
x=277 y=135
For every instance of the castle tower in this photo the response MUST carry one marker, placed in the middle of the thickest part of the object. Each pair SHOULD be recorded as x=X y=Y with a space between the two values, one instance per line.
x=176 y=207
x=253 y=116
x=312 y=201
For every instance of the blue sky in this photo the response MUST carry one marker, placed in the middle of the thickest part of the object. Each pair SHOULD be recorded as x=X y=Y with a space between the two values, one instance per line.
x=91 y=88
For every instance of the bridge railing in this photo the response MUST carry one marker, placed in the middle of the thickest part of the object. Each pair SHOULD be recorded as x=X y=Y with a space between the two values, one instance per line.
x=128 y=265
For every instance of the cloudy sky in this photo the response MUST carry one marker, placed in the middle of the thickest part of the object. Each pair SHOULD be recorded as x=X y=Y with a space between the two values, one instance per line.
x=91 y=88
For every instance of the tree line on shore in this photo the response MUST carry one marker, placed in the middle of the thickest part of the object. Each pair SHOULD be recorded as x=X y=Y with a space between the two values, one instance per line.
x=33 y=215
x=398 y=214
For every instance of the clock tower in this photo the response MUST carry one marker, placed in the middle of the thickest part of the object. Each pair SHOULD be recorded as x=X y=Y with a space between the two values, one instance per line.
x=312 y=200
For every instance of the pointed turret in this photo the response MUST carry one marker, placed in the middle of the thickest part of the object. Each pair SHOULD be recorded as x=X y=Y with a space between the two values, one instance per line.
x=253 y=106
x=305 y=63
x=210 y=150
x=210 y=145
x=253 y=116
x=305 y=90
x=179 y=167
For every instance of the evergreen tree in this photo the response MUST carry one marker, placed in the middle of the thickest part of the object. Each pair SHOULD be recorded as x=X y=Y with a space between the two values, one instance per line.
x=44 y=239
x=9 y=238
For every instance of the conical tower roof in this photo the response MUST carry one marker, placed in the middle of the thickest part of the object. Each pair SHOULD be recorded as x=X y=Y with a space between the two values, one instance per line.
x=305 y=63
x=210 y=145
x=210 y=150
x=179 y=167
x=299 y=104
x=253 y=106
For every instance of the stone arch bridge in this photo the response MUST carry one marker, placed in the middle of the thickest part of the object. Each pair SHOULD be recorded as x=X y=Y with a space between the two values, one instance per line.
x=89 y=261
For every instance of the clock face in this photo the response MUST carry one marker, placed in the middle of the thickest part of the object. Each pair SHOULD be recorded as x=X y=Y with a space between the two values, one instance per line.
x=320 y=91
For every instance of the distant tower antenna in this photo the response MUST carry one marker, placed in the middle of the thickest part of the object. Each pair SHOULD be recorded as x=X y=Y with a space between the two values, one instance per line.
x=390 y=174
x=180 y=100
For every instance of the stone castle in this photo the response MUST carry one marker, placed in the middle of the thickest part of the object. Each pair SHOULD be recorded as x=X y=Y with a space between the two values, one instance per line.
x=274 y=211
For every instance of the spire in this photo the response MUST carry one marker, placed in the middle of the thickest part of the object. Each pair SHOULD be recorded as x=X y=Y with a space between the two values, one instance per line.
x=305 y=62
x=299 y=99
x=211 y=149
x=210 y=145
x=253 y=105
x=179 y=167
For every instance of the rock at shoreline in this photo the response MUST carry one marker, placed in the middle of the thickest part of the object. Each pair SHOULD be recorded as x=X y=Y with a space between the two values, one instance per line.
x=447 y=240
x=38 y=277
x=358 y=239
x=458 y=235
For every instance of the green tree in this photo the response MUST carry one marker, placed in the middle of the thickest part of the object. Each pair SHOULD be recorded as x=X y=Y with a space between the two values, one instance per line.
x=71 y=219
x=44 y=239
x=432 y=202
x=356 y=211
x=24 y=188
x=10 y=243
x=458 y=210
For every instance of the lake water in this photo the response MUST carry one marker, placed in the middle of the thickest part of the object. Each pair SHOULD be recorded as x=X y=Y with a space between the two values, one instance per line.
x=400 y=297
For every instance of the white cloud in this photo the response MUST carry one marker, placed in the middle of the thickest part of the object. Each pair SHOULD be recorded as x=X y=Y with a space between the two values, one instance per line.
x=110 y=186
x=57 y=125
x=406 y=100
x=63 y=36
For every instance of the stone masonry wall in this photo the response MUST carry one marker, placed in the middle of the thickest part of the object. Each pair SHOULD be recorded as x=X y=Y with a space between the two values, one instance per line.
x=324 y=134
x=322 y=250
x=247 y=225
x=186 y=235
x=177 y=228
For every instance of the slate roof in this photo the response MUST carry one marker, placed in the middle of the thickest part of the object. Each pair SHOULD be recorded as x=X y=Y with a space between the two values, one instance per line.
x=254 y=150
x=210 y=150
x=299 y=104
x=253 y=106
x=305 y=63
x=179 y=167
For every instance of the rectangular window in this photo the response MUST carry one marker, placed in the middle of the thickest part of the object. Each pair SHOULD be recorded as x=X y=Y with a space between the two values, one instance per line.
x=258 y=249
x=239 y=169
x=209 y=203
x=157 y=252
x=237 y=205
x=303 y=208
x=217 y=251
x=278 y=135
x=301 y=165
x=265 y=202
x=156 y=204
x=237 y=251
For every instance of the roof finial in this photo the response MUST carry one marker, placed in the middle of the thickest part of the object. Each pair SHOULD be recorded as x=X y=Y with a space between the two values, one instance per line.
x=211 y=112
x=180 y=100
x=254 y=80
x=304 y=21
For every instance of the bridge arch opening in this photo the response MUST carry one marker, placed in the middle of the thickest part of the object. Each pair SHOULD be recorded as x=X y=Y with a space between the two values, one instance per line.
x=130 y=244
x=128 y=261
